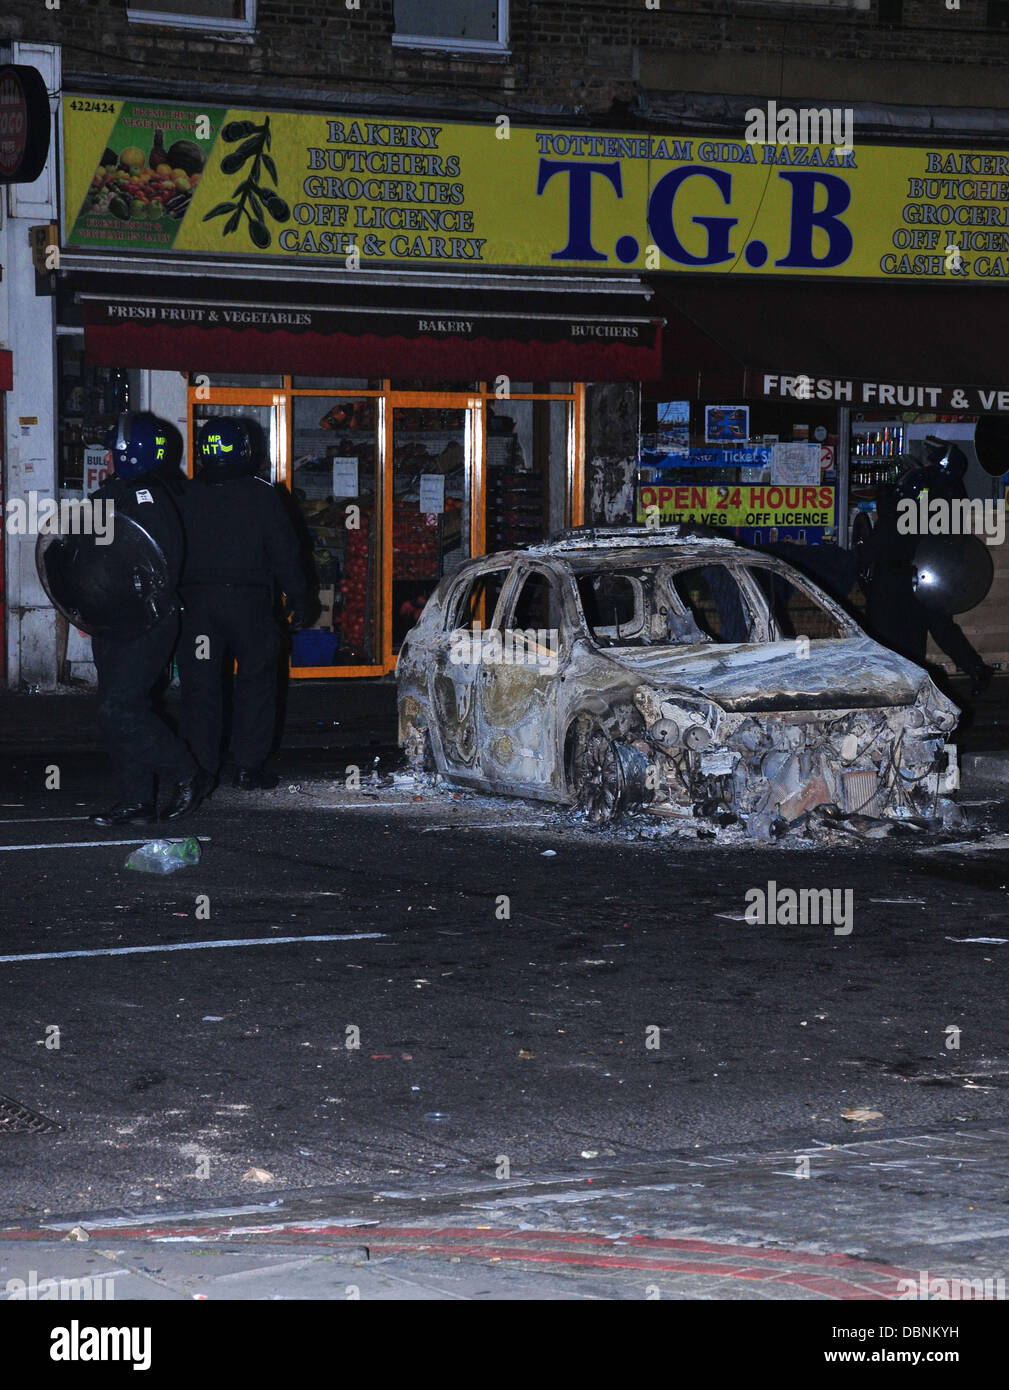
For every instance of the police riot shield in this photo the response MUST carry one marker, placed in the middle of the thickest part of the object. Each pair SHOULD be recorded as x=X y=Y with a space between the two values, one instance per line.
x=117 y=589
x=952 y=574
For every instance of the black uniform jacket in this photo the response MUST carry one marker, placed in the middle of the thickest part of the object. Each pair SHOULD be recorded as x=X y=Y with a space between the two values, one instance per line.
x=238 y=532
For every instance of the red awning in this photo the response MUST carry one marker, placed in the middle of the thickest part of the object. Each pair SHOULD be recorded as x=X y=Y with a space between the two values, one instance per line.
x=453 y=342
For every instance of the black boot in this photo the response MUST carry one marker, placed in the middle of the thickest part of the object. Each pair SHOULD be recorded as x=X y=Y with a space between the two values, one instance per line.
x=127 y=813
x=254 y=779
x=188 y=795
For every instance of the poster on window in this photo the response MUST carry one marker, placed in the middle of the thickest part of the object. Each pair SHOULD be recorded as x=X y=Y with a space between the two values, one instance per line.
x=672 y=430
x=795 y=463
x=726 y=424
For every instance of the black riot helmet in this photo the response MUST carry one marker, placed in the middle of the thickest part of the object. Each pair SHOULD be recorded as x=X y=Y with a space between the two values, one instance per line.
x=224 y=446
x=138 y=443
x=948 y=457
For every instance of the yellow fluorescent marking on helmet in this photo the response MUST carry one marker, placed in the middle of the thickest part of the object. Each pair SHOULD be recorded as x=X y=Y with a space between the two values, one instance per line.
x=215 y=444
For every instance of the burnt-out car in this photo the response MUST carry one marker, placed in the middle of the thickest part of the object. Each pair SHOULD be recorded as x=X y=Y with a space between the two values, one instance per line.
x=672 y=673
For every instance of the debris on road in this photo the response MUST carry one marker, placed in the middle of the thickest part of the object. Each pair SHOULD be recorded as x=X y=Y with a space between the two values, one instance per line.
x=165 y=856
x=860 y=1115
x=257 y=1175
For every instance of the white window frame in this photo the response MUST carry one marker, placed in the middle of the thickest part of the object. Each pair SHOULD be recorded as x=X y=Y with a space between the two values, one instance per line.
x=207 y=23
x=445 y=43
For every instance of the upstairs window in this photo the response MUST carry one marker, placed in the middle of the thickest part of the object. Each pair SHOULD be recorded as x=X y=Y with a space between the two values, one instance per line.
x=476 y=26
x=198 y=14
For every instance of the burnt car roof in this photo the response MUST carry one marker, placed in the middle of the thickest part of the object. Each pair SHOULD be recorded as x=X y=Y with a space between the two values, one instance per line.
x=591 y=547
x=596 y=540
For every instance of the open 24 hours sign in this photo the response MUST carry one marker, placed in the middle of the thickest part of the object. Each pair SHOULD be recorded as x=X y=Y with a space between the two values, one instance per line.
x=152 y=176
x=764 y=504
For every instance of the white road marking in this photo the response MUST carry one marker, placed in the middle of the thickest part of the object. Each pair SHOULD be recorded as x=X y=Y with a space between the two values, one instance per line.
x=147 y=1218
x=192 y=946
x=97 y=844
x=40 y=820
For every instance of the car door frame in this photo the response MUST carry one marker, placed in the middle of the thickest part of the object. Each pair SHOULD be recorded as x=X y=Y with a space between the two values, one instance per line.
x=543 y=685
x=452 y=755
x=749 y=594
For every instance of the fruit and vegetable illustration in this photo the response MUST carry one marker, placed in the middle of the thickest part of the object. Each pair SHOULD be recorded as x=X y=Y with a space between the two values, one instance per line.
x=138 y=172
x=145 y=185
x=158 y=162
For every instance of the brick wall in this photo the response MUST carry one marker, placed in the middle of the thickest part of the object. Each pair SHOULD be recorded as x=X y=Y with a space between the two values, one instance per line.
x=578 y=58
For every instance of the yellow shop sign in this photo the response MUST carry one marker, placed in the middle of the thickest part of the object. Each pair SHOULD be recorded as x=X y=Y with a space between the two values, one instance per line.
x=764 y=504
x=152 y=176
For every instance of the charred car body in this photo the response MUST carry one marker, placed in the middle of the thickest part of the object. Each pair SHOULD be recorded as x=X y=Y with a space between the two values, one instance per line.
x=676 y=674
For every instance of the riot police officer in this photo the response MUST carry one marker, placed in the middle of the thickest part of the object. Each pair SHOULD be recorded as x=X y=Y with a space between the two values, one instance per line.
x=241 y=548
x=894 y=614
x=141 y=745
x=941 y=476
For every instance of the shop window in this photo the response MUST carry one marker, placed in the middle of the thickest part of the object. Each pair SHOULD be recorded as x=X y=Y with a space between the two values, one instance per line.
x=90 y=400
x=430 y=517
x=480 y=25
x=527 y=471
x=236 y=379
x=478 y=600
x=334 y=485
x=204 y=14
x=332 y=383
x=793 y=611
x=714 y=608
x=537 y=388
x=430 y=387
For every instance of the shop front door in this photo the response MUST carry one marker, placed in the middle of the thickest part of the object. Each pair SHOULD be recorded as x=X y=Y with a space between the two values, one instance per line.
x=429 y=533
x=394 y=484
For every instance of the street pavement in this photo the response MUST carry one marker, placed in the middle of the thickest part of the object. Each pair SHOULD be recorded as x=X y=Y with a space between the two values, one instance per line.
x=391 y=1041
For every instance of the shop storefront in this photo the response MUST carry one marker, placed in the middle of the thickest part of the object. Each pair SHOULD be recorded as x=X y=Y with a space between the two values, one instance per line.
x=783 y=408
x=396 y=483
x=419 y=316
x=393 y=483
x=418 y=413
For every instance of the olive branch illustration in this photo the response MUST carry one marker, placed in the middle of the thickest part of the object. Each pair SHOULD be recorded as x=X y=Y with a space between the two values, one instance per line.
x=254 y=200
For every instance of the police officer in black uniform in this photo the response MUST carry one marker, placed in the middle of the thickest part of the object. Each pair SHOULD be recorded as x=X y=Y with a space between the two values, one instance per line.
x=895 y=615
x=142 y=747
x=241 y=548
